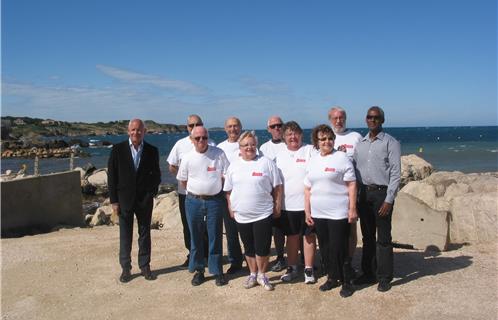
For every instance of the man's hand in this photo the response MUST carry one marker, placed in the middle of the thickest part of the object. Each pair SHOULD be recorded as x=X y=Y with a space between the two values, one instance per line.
x=385 y=208
x=352 y=215
x=342 y=148
x=115 y=208
x=309 y=220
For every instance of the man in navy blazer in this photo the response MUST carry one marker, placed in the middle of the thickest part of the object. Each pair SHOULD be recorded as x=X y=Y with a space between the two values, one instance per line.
x=133 y=178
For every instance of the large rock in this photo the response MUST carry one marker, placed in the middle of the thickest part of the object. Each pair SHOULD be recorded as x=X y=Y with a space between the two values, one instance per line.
x=474 y=217
x=166 y=212
x=98 y=179
x=102 y=216
x=415 y=223
x=414 y=168
x=421 y=191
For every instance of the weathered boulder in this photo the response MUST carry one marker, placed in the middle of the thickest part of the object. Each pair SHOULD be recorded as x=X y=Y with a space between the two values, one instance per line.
x=415 y=223
x=102 y=216
x=166 y=213
x=421 y=191
x=474 y=217
x=98 y=179
x=414 y=168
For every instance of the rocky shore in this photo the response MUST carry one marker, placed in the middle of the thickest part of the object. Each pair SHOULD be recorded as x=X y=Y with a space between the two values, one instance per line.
x=73 y=273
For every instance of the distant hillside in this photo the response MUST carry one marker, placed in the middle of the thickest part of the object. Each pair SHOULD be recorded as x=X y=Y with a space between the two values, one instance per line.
x=16 y=127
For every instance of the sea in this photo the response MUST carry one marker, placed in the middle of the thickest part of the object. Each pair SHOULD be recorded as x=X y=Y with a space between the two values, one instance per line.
x=465 y=149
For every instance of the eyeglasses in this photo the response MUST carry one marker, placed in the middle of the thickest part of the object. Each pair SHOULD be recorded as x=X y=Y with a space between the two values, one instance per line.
x=325 y=139
x=373 y=117
x=276 y=125
x=193 y=125
x=200 y=138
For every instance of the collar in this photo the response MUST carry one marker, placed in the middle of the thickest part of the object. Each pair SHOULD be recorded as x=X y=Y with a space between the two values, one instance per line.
x=379 y=136
x=140 y=147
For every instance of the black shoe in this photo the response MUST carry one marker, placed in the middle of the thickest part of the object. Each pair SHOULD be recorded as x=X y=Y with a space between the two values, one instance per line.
x=220 y=280
x=279 y=265
x=384 y=286
x=347 y=290
x=349 y=272
x=234 y=268
x=147 y=274
x=329 y=285
x=185 y=264
x=125 y=276
x=365 y=279
x=198 y=278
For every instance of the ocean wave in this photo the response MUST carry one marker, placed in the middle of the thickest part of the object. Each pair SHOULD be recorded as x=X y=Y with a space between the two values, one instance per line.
x=492 y=150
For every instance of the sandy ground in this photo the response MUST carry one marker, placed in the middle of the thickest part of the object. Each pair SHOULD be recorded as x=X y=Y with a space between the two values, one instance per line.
x=73 y=274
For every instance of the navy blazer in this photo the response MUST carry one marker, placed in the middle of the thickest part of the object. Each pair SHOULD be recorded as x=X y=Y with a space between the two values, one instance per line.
x=132 y=188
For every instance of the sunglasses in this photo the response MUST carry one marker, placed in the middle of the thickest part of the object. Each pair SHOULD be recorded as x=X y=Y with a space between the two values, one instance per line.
x=276 y=125
x=325 y=139
x=200 y=138
x=373 y=117
x=193 y=125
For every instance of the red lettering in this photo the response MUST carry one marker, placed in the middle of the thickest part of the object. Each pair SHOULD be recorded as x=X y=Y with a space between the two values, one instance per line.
x=329 y=169
x=257 y=174
x=211 y=169
x=300 y=160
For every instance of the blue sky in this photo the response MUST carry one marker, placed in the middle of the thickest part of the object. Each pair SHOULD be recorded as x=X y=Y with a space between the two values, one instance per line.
x=426 y=62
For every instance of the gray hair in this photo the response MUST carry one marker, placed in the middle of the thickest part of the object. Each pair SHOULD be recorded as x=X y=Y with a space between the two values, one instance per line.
x=379 y=110
x=337 y=108
x=142 y=124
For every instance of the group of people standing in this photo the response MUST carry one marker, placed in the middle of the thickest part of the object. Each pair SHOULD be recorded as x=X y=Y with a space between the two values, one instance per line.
x=287 y=189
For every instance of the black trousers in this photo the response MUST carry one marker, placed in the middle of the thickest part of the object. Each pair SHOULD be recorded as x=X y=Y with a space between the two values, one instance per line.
x=333 y=238
x=377 y=254
x=186 y=230
x=144 y=216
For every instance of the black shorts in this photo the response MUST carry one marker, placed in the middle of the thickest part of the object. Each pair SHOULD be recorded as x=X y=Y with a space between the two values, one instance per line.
x=256 y=237
x=292 y=222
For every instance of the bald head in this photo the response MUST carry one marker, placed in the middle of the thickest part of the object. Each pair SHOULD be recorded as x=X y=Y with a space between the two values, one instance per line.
x=274 y=127
x=136 y=132
x=233 y=128
x=199 y=136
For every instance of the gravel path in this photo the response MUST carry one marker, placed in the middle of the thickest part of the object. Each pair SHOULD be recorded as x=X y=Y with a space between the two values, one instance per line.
x=73 y=274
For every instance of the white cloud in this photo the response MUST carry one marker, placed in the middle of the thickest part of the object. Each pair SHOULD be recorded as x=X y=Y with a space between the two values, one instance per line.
x=164 y=83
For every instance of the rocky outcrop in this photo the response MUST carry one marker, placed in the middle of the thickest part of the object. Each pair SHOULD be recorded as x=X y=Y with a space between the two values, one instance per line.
x=414 y=168
x=469 y=199
x=166 y=213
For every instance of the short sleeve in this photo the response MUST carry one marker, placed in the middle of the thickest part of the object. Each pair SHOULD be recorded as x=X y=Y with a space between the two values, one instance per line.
x=183 y=170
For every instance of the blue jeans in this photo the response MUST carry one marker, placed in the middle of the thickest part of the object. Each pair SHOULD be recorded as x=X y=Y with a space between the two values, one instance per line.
x=202 y=214
x=233 y=245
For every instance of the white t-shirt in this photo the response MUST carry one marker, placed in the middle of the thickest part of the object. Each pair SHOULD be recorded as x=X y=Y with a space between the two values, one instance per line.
x=327 y=177
x=292 y=166
x=182 y=147
x=349 y=139
x=231 y=150
x=203 y=171
x=251 y=184
x=270 y=149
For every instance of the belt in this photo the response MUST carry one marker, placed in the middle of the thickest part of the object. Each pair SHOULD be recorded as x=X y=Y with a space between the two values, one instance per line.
x=374 y=187
x=203 y=197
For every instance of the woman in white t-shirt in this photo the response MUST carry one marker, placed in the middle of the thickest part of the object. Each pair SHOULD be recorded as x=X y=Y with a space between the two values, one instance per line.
x=253 y=192
x=330 y=205
x=292 y=163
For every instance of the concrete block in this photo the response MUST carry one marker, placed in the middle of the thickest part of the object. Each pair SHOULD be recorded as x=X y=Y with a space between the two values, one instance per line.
x=415 y=223
x=40 y=203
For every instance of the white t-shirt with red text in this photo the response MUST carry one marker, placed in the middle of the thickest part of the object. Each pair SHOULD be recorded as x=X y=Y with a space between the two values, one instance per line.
x=327 y=177
x=251 y=183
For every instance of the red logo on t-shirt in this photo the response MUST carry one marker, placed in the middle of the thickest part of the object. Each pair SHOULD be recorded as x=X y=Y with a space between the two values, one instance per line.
x=211 y=169
x=300 y=160
x=349 y=146
x=329 y=169
x=257 y=174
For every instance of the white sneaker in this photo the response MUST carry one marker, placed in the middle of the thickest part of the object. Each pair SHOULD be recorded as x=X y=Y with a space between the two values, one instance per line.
x=289 y=275
x=265 y=283
x=250 y=282
x=309 y=277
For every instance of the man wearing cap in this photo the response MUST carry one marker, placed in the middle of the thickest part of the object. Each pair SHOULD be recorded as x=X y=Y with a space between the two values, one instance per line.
x=378 y=166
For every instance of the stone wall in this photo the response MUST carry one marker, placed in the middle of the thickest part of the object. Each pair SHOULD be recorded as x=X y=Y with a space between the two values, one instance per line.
x=40 y=203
